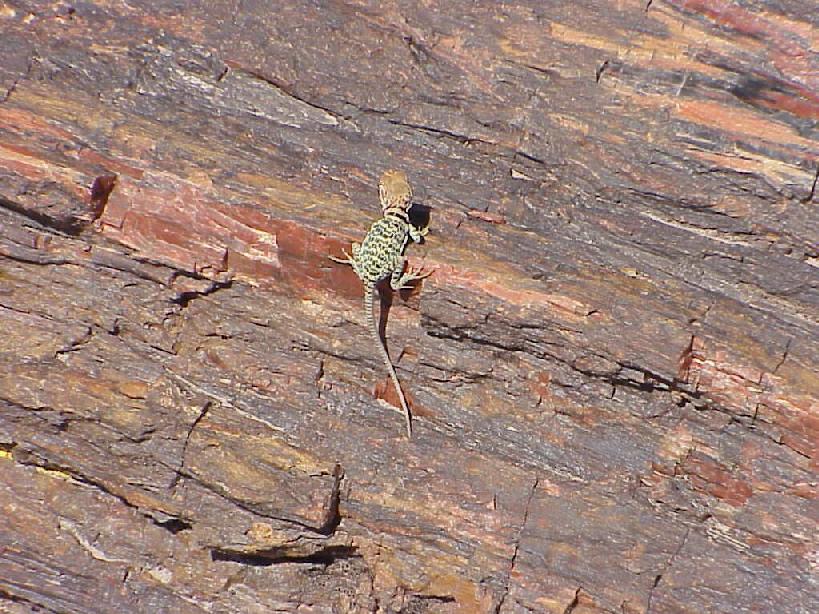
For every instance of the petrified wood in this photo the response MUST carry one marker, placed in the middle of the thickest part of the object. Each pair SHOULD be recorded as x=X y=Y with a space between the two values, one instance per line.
x=612 y=370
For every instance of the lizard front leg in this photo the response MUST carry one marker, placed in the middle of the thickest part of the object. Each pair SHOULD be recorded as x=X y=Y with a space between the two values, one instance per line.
x=417 y=234
x=348 y=259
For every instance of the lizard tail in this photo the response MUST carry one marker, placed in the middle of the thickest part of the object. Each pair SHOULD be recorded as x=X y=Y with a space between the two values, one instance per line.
x=368 y=309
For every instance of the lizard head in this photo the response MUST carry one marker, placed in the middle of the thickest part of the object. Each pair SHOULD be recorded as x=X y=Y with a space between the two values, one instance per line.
x=394 y=191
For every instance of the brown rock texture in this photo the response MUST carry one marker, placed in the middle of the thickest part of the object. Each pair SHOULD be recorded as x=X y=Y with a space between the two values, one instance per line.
x=612 y=369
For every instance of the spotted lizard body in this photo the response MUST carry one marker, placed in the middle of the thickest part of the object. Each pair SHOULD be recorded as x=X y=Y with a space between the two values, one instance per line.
x=381 y=256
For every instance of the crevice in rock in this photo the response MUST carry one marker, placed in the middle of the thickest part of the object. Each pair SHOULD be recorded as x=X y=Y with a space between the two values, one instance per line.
x=433 y=598
x=10 y=90
x=202 y=413
x=812 y=192
x=651 y=381
x=255 y=508
x=34 y=606
x=600 y=70
x=281 y=88
x=784 y=356
x=173 y=525
x=184 y=299
x=77 y=344
x=659 y=577
x=441 y=132
x=574 y=602
x=123 y=261
x=518 y=539
x=13 y=87
x=70 y=226
x=647 y=382
x=627 y=375
x=83 y=479
x=325 y=556
x=332 y=517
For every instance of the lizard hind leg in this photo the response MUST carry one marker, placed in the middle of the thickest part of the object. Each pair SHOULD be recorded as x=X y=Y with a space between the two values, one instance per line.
x=401 y=280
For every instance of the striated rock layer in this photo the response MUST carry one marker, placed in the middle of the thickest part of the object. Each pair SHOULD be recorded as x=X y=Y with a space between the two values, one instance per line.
x=612 y=369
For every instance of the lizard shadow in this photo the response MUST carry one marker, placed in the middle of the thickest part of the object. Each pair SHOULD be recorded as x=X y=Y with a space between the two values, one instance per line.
x=419 y=216
x=386 y=297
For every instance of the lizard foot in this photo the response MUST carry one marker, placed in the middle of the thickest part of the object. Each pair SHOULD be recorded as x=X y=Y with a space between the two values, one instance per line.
x=409 y=276
x=417 y=234
x=347 y=260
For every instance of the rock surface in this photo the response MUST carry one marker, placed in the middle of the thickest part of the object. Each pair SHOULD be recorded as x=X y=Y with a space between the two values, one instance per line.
x=612 y=370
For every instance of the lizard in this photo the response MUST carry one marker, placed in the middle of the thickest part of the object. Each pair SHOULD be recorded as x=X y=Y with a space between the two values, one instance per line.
x=381 y=255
